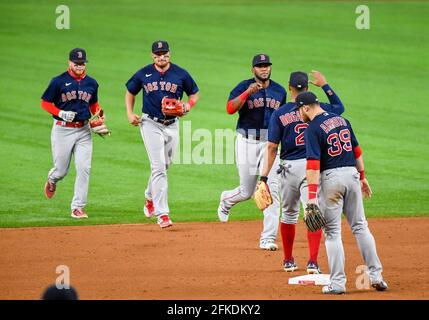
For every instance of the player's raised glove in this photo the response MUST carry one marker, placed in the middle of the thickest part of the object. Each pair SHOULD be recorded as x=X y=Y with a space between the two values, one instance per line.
x=98 y=126
x=262 y=195
x=313 y=218
x=173 y=107
x=67 y=116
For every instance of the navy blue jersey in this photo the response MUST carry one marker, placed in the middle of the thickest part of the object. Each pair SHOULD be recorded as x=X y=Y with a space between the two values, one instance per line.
x=287 y=128
x=330 y=139
x=69 y=94
x=256 y=111
x=157 y=85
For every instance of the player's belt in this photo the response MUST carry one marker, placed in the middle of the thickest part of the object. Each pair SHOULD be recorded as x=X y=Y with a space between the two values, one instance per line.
x=249 y=136
x=163 y=121
x=78 y=124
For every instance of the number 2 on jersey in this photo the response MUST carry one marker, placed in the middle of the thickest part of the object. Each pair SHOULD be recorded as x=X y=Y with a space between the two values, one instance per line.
x=335 y=139
x=300 y=128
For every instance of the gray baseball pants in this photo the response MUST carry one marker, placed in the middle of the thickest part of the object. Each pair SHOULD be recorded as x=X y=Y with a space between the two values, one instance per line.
x=293 y=189
x=160 y=142
x=65 y=143
x=249 y=157
x=340 y=192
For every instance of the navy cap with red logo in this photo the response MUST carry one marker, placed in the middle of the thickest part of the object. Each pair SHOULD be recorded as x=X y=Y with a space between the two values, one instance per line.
x=261 y=59
x=304 y=99
x=160 y=46
x=78 y=55
x=298 y=80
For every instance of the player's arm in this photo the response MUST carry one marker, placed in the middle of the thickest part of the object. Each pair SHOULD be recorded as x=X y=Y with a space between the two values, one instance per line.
x=270 y=156
x=67 y=116
x=360 y=167
x=94 y=106
x=129 y=104
x=335 y=105
x=192 y=91
x=96 y=110
x=313 y=175
x=133 y=85
x=364 y=184
x=51 y=94
x=48 y=97
x=50 y=107
x=275 y=132
x=236 y=103
x=312 y=148
x=192 y=101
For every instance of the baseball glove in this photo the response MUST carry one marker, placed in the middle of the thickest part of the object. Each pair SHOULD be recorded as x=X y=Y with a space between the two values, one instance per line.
x=313 y=218
x=262 y=196
x=173 y=107
x=99 y=127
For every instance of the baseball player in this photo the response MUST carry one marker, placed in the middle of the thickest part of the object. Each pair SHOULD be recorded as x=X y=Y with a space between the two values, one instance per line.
x=255 y=100
x=160 y=133
x=334 y=158
x=287 y=128
x=71 y=98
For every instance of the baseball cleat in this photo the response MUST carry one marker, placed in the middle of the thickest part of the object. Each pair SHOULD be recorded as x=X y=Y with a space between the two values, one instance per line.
x=380 y=285
x=50 y=188
x=222 y=214
x=313 y=268
x=268 y=245
x=223 y=217
x=149 y=210
x=289 y=266
x=330 y=290
x=79 y=214
x=164 y=221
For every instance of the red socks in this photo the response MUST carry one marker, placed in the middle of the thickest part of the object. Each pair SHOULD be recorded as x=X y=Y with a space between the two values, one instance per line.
x=314 y=244
x=288 y=237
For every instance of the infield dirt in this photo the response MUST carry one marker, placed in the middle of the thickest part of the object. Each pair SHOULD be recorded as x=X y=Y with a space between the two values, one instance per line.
x=199 y=261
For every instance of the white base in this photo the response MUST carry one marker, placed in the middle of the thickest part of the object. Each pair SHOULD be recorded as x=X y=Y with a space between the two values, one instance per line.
x=311 y=280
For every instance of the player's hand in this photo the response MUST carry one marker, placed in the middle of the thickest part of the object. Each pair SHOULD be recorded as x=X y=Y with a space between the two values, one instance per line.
x=319 y=78
x=67 y=116
x=133 y=119
x=186 y=108
x=254 y=87
x=366 y=189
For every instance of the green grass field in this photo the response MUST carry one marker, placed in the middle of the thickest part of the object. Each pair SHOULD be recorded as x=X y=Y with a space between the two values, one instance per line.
x=380 y=75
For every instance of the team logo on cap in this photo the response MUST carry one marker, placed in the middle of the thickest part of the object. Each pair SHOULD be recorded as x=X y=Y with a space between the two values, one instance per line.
x=262 y=57
x=79 y=54
x=159 y=45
